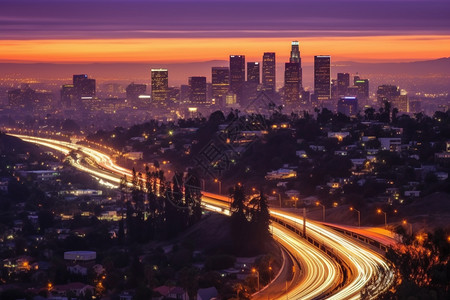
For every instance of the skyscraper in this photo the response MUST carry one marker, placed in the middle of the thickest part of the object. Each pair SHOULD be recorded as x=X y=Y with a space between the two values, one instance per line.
x=295 y=53
x=348 y=106
x=343 y=82
x=392 y=94
x=237 y=75
x=134 y=91
x=253 y=72
x=83 y=86
x=160 y=86
x=197 y=86
x=268 y=72
x=387 y=93
x=68 y=95
x=322 y=89
x=293 y=76
x=220 y=83
x=295 y=58
x=363 y=88
x=291 y=83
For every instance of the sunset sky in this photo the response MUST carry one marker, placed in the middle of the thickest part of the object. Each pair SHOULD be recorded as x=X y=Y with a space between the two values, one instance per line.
x=201 y=30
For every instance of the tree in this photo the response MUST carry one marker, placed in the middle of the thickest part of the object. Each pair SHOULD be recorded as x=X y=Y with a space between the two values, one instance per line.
x=263 y=219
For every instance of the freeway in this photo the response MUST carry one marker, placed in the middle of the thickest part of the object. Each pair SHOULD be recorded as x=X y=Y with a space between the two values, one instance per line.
x=367 y=271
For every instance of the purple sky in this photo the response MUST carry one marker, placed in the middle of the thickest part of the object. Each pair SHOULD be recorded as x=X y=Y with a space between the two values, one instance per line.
x=62 y=19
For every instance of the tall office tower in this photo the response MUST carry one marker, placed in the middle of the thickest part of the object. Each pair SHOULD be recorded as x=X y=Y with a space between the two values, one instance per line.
x=253 y=72
x=173 y=95
x=322 y=90
x=348 y=106
x=291 y=83
x=160 y=86
x=401 y=102
x=268 y=72
x=387 y=93
x=24 y=98
x=135 y=93
x=343 y=82
x=295 y=53
x=295 y=58
x=68 y=95
x=198 y=90
x=220 y=84
x=237 y=75
x=84 y=86
x=185 y=93
x=363 y=89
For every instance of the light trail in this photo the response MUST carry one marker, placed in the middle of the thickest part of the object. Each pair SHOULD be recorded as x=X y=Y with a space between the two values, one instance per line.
x=366 y=264
x=318 y=269
x=369 y=271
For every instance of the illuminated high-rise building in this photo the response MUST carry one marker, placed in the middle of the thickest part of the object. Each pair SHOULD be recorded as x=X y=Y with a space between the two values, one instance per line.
x=291 y=83
x=68 y=95
x=268 y=72
x=293 y=76
x=136 y=94
x=387 y=93
x=322 y=88
x=363 y=88
x=296 y=58
x=348 y=106
x=160 y=86
x=343 y=82
x=237 y=75
x=24 y=98
x=84 y=86
x=197 y=86
x=253 y=72
x=392 y=94
x=295 y=53
x=220 y=84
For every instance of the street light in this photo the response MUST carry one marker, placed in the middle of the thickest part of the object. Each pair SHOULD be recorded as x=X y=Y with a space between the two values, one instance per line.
x=379 y=211
x=359 y=215
x=203 y=183
x=220 y=185
x=279 y=196
x=404 y=222
x=323 y=210
x=257 y=273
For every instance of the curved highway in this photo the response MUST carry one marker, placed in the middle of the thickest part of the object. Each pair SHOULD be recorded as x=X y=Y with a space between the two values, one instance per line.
x=368 y=271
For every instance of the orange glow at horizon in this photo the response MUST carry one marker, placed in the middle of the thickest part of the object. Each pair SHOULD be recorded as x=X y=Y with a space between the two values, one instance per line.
x=367 y=48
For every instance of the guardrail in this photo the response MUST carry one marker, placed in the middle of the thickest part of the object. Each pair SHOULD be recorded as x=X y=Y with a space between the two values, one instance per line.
x=360 y=237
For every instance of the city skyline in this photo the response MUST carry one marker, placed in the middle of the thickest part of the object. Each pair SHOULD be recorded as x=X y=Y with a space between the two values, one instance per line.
x=188 y=31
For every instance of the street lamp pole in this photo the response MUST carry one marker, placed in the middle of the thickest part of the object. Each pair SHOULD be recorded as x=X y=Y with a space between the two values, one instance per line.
x=323 y=210
x=257 y=274
x=359 y=215
x=220 y=185
x=279 y=196
x=203 y=184
x=409 y=227
x=385 y=217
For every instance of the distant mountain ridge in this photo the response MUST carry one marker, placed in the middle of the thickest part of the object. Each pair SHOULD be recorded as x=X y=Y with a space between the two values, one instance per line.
x=436 y=66
x=429 y=75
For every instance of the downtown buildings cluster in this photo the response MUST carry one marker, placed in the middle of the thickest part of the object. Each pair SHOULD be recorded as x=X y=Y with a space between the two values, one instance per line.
x=234 y=86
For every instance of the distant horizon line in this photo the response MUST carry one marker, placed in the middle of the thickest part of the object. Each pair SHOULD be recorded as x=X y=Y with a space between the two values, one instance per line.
x=371 y=61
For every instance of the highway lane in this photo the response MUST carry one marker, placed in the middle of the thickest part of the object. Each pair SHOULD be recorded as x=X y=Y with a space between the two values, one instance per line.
x=369 y=270
x=318 y=271
x=366 y=266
